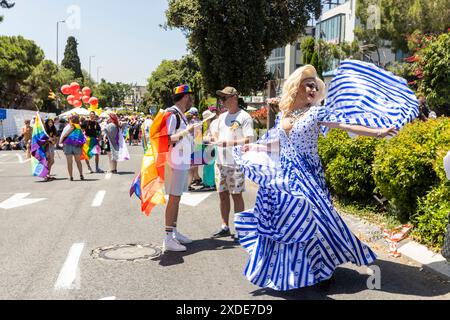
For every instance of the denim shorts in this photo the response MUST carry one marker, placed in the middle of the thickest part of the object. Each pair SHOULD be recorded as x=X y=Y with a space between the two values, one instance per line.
x=72 y=150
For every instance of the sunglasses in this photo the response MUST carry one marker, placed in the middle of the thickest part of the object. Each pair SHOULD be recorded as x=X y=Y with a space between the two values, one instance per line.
x=312 y=86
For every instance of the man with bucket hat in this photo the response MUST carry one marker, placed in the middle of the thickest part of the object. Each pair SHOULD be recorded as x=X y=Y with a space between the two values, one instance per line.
x=234 y=127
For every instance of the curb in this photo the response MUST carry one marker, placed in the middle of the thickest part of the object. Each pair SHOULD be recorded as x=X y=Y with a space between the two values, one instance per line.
x=408 y=248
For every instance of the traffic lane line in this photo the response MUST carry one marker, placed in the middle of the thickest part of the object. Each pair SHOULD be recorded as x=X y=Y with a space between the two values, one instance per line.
x=98 y=199
x=69 y=277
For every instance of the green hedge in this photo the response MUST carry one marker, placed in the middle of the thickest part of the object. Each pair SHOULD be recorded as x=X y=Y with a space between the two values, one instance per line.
x=407 y=170
x=348 y=164
x=404 y=167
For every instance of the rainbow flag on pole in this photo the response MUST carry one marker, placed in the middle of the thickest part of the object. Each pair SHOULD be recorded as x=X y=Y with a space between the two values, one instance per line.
x=39 y=164
x=148 y=185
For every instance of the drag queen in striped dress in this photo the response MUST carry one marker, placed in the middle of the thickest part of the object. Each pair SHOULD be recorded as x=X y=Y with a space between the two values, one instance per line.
x=294 y=235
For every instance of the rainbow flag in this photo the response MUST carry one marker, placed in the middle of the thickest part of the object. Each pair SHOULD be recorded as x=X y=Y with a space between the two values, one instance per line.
x=76 y=137
x=148 y=185
x=90 y=148
x=39 y=164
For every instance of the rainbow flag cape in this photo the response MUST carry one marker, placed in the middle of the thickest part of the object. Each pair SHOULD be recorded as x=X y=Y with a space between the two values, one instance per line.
x=76 y=137
x=90 y=148
x=39 y=164
x=148 y=185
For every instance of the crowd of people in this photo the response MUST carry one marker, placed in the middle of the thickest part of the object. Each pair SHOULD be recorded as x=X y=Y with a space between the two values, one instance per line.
x=294 y=236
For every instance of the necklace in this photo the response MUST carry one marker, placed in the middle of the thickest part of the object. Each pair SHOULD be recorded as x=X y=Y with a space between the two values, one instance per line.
x=295 y=115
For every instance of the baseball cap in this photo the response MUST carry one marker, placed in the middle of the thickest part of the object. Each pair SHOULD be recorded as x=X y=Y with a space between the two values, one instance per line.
x=193 y=111
x=227 y=91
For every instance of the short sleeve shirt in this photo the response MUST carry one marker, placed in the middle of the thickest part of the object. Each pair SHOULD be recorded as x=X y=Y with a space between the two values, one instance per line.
x=235 y=126
x=180 y=154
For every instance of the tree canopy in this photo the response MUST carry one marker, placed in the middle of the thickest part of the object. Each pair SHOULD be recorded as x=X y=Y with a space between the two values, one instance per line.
x=18 y=58
x=170 y=74
x=112 y=95
x=71 y=59
x=4 y=4
x=399 y=19
x=233 y=38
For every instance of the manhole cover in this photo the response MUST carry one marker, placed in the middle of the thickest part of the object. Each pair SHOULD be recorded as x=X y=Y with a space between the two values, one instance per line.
x=127 y=252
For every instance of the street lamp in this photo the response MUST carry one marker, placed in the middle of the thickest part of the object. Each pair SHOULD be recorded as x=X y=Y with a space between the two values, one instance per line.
x=98 y=69
x=57 y=40
x=90 y=59
x=57 y=53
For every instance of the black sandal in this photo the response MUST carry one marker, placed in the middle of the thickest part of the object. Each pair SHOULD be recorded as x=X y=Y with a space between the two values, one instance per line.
x=82 y=178
x=71 y=178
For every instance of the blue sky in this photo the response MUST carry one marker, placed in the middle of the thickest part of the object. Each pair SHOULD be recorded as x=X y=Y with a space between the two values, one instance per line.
x=124 y=36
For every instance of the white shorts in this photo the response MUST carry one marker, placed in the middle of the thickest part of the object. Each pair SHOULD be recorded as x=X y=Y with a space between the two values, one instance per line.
x=176 y=181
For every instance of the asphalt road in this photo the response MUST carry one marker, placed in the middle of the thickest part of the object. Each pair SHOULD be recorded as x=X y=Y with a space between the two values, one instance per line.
x=46 y=247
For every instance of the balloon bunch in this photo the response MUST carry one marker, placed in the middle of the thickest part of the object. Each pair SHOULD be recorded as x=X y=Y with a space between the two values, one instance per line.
x=76 y=98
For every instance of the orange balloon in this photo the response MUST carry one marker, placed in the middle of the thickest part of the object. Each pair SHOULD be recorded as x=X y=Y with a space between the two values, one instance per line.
x=77 y=103
x=86 y=99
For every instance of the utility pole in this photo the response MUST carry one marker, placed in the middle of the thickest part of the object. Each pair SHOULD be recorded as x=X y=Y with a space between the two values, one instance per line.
x=57 y=54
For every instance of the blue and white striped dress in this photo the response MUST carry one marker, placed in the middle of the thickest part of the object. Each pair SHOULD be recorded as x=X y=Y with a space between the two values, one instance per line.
x=294 y=235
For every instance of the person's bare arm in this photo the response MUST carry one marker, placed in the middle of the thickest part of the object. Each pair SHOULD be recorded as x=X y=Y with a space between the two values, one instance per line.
x=361 y=130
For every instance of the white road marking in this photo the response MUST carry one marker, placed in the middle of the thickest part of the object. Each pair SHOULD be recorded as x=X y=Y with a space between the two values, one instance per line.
x=18 y=200
x=98 y=200
x=193 y=199
x=69 y=276
x=20 y=158
x=108 y=298
x=108 y=176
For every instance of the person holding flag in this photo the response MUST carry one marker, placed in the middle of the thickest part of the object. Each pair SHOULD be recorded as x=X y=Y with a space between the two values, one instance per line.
x=91 y=148
x=166 y=164
x=39 y=140
x=73 y=139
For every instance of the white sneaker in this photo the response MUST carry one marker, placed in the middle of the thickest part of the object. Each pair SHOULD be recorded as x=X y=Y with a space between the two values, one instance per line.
x=181 y=238
x=173 y=245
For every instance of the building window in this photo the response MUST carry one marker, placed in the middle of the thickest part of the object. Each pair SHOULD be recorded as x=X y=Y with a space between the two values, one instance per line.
x=332 y=30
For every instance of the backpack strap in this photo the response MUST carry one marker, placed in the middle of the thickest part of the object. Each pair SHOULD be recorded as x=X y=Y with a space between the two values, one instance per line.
x=177 y=115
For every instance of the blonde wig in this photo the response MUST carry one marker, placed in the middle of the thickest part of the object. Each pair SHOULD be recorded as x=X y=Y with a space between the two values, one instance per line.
x=292 y=86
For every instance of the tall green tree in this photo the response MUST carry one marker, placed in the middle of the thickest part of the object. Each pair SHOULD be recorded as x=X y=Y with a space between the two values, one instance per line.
x=44 y=79
x=399 y=19
x=18 y=58
x=233 y=38
x=71 y=59
x=4 y=4
x=170 y=74
x=112 y=95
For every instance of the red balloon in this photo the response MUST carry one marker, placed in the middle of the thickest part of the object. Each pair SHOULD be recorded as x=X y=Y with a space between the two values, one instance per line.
x=78 y=95
x=70 y=99
x=65 y=89
x=86 y=99
x=93 y=101
x=86 y=91
x=74 y=87
x=77 y=103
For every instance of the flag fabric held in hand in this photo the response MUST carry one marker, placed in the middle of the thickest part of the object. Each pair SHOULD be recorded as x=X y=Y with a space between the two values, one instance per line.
x=39 y=164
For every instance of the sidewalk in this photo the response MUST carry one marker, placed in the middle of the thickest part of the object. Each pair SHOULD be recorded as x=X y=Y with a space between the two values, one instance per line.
x=412 y=250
